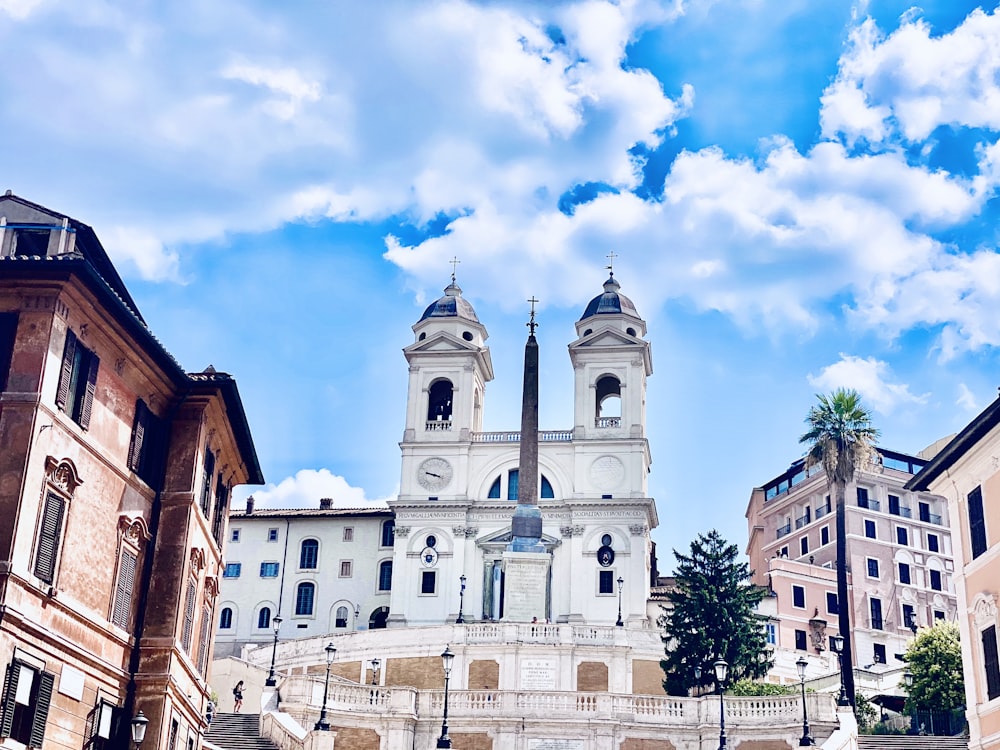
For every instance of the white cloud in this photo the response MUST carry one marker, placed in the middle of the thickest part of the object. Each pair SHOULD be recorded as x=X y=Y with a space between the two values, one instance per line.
x=292 y=87
x=870 y=378
x=966 y=399
x=19 y=9
x=308 y=487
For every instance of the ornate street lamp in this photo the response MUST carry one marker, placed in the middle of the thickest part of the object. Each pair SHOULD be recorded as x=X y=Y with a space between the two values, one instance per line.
x=837 y=644
x=138 y=726
x=375 y=665
x=323 y=725
x=908 y=680
x=271 y=681
x=461 y=600
x=621 y=582
x=806 y=740
x=446 y=660
x=721 y=672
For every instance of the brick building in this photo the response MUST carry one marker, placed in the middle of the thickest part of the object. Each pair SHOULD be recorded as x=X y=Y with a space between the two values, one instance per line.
x=115 y=473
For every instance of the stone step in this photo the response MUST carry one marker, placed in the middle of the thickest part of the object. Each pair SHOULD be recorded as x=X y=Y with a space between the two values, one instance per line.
x=232 y=731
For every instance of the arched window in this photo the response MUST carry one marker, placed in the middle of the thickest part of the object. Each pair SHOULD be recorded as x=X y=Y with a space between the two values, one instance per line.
x=439 y=401
x=609 y=401
x=264 y=618
x=388 y=533
x=385 y=575
x=305 y=595
x=226 y=618
x=513 y=475
x=341 y=620
x=309 y=554
x=377 y=619
x=547 y=491
x=495 y=489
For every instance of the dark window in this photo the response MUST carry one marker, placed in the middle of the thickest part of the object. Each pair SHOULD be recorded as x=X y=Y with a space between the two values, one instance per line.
x=904 y=573
x=28 y=242
x=25 y=722
x=494 y=492
x=77 y=381
x=862 y=497
x=902 y=535
x=439 y=402
x=8 y=330
x=872 y=567
x=226 y=618
x=513 y=477
x=893 y=505
x=49 y=537
x=605 y=582
x=208 y=477
x=235 y=535
x=935 y=579
x=991 y=662
x=388 y=533
x=977 y=524
x=869 y=528
x=547 y=492
x=341 y=619
x=385 y=575
x=932 y=543
x=800 y=640
x=309 y=554
x=431 y=541
x=824 y=536
x=272 y=535
x=187 y=630
x=924 y=511
x=269 y=570
x=264 y=617
x=804 y=545
x=798 y=596
x=305 y=594
x=121 y=611
x=876 y=609
x=909 y=616
x=172 y=737
x=147 y=446
x=831 y=603
x=878 y=653
x=428 y=582
x=938 y=614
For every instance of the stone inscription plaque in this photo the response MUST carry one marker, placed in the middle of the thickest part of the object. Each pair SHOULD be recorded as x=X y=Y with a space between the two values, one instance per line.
x=524 y=588
x=538 y=674
x=555 y=744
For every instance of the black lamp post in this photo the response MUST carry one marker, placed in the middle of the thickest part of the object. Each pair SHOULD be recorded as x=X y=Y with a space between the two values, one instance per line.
x=375 y=665
x=721 y=672
x=138 y=726
x=446 y=660
x=621 y=582
x=461 y=600
x=276 y=623
x=837 y=644
x=323 y=725
x=806 y=740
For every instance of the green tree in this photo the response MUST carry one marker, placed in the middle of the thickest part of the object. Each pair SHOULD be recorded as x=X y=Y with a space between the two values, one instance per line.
x=840 y=437
x=712 y=615
x=934 y=658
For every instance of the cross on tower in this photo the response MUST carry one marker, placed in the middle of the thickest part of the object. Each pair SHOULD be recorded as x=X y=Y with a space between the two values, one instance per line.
x=531 y=323
x=454 y=267
x=611 y=262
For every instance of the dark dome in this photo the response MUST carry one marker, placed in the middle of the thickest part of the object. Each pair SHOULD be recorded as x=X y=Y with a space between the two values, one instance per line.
x=451 y=305
x=611 y=302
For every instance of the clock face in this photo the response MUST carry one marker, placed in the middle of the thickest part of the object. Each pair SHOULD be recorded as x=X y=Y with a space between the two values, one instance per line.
x=434 y=474
x=607 y=472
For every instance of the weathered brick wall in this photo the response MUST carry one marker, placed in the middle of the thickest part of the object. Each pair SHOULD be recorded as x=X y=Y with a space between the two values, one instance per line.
x=763 y=745
x=484 y=674
x=592 y=677
x=421 y=672
x=351 y=738
x=349 y=670
x=471 y=741
x=647 y=677
x=634 y=743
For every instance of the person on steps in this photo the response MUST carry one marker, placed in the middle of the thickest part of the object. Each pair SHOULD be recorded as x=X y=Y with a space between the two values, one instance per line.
x=238 y=696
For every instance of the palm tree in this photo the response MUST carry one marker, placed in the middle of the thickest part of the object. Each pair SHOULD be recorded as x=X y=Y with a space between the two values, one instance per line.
x=840 y=438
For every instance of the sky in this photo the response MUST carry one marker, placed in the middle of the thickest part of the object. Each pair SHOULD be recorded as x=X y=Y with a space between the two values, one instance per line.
x=800 y=196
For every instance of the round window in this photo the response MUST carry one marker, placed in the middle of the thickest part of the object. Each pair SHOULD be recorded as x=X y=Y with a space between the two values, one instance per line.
x=431 y=540
x=466 y=335
x=606 y=540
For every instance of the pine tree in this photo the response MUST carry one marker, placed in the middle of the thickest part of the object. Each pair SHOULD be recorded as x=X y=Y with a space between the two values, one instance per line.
x=712 y=615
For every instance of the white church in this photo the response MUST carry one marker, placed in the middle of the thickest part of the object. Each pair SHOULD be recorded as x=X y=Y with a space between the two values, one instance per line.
x=534 y=587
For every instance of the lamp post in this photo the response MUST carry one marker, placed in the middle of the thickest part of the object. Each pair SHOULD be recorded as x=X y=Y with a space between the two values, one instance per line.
x=721 y=671
x=138 y=725
x=446 y=660
x=621 y=582
x=276 y=623
x=837 y=644
x=806 y=740
x=323 y=725
x=375 y=665
x=461 y=600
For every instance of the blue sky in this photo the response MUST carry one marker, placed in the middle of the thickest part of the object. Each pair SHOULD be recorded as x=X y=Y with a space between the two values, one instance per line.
x=801 y=196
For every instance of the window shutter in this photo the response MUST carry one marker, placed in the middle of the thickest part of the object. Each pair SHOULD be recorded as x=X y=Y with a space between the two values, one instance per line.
x=9 y=690
x=188 y=628
x=88 y=396
x=204 y=638
x=123 y=591
x=991 y=662
x=45 y=683
x=66 y=374
x=206 y=487
x=138 y=435
x=977 y=523
x=48 y=538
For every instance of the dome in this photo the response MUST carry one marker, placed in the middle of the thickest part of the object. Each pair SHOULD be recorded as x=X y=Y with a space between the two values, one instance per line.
x=451 y=305
x=611 y=302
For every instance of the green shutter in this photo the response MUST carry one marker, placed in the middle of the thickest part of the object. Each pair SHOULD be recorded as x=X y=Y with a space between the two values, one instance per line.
x=45 y=683
x=66 y=373
x=48 y=538
x=88 y=396
x=9 y=691
x=138 y=435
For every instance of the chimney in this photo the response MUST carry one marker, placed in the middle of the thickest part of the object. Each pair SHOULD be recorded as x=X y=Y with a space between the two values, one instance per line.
x=325 y=503
x=250 y=505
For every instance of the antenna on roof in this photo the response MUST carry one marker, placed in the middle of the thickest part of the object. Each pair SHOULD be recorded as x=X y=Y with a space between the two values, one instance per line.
x=611 y=262
x=454 y=267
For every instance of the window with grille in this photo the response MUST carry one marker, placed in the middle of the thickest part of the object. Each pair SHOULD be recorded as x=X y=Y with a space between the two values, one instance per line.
x=232 y=570
x=77 y=381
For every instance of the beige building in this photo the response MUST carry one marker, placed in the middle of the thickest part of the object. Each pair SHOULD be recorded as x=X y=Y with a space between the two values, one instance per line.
x=967 y=473
x=115 y=473
x=899 y=561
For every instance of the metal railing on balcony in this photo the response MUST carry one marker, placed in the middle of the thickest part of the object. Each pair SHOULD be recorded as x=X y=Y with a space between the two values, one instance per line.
x=934 y=518
x=784 y=530
x=603 y=422
x=802 y=521
x=822 y=511
x=869 y=503
x=902 y=510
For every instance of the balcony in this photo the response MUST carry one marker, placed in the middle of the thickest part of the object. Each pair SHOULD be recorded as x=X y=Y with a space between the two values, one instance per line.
x=822 y=511
x=802 y=520
x=606 y=422
x=869 y=503
x=547 y=436
x=935 y=519
x=902 y=511
x=785 y=530
x=438 y=425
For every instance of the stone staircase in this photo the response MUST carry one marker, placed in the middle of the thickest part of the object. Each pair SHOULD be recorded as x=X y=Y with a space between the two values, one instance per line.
x=238 y=732
x=910 y=742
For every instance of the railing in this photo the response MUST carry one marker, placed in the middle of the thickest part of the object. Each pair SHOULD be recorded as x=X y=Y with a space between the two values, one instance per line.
x=822 y=511
x=934 y=518
x=903 y=511
x=545 y=436
x=869 y=503
x=498 y=632
x=438 y=425
x=802 y=521
x=785 y=530
x=602 y=422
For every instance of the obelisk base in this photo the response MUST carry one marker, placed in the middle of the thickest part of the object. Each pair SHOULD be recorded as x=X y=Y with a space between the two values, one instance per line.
x=526 y=586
